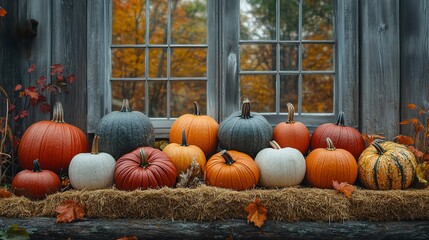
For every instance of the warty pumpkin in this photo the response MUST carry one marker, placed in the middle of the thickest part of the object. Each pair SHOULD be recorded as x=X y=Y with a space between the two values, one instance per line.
x=331 y=164
x=53 y=142
x=386 y=165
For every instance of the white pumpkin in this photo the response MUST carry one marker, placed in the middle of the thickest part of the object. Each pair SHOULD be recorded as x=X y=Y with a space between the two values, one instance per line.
x=92 y=170
x=280 y=167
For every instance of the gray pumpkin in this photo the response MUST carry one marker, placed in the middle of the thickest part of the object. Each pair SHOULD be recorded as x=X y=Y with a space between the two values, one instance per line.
x=245 y=131
x=123 y=131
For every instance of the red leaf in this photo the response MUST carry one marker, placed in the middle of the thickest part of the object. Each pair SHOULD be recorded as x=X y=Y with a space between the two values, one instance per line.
x=5 y=193
x=344 y=187
x=405 y=122
x=31 y=68
x=33 y=102
x=402 y=139
x=23 y=114
x=69 y=210
x=45 y=107
x=11 y=107
x=71 y=78
x=42 y=98
x=426 y=157
x=41 y=81
x=411 y=106
x=370 y=138
x=57 y=69
x=16 y=118
x=18 y=87
x=2 y=12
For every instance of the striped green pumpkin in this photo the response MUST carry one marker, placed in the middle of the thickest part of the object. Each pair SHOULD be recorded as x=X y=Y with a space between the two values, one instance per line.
x=386 y=165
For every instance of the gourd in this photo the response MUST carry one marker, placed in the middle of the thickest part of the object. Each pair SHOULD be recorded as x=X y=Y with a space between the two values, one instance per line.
x=280 y=167
x=245 y=131
x=232 y=169
x=387 y=165
x=54 y=143
x=125 y=130
x=35 y=184
x=182 y=155
x=144 y=168
x=292 y=134
x=331 y=164
x=342 y=136
x=194 y=125
x=93 y=170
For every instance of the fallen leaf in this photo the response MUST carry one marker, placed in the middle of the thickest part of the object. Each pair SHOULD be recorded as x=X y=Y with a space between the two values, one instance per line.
x=189 y=179
x=127 y=238
x=69 y=210
x=411 y=106
x=16 y=233
x=3 y=12
x=257 y=213
x=344 y=187
x=5 y=193
x=402 y=139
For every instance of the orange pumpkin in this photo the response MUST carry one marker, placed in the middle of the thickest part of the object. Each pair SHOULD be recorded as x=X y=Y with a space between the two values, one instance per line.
x=292 y=134
x=326 y=165
x=232 y=169
x=201 y=131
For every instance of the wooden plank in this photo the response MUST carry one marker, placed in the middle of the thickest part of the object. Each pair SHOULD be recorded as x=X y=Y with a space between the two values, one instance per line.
x=46 y=228
x=380 y=67
x=414 y=59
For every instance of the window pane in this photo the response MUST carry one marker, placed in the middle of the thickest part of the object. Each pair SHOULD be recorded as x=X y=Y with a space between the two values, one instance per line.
x=317 y=19
x=184 y=93
x=128 y=23
x=258 y=20
x=188 y=62
x=128 y=62
x=289 y=57
x=189 y=21
x=158 y=62
x=260 y=90
x=158 y=22
x=158 y=99
x=257 y=57
x=317 y=93
x=318 y=57
x=289 y=15
x=288 y=91
x=131 y=90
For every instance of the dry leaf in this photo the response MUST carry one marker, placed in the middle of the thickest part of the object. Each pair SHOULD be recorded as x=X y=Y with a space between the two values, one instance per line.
x=5 y=193
x=402 y=139
x=69 y=210
x=3 y=12
x=411 y=106
x=128 y=238
x=257 y=213
x=344 y=187
x=422 y=173
x=190 y=178
x=370 y=138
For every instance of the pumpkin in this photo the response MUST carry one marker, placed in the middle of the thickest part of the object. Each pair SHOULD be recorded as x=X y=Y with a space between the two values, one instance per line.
x=280 y=167
x=245 y=131
x=341 y=135
x=182 y=155
x=93 y=170
x=144 y=168
x=35 y=184
x=53 y=142
x=231 y=169
x=387 y=165
x=331 y=164
x=194 y=125
x=292 y=134
x=123 y=131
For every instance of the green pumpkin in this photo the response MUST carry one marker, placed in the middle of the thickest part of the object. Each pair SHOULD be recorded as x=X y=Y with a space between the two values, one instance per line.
x=245 y=131
x=123 y=131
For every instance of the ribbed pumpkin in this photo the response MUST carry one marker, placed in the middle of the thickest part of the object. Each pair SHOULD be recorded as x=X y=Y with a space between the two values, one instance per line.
x=35 y=184
x=330 y=164
x=245 y=131
x=201 y=131
x=183 y=154
x=53 y=142
x=280 y=167
x=341 y=135
x=123 y=131
x=292 y=134
x=95 y=170
x=232 y=169
x=387 y=165
x=144 y=168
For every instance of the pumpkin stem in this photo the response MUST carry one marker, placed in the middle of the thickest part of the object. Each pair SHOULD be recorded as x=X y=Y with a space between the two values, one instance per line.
x=245 y=109
x=196 y=109
x=36 y=166
x=143 y=158
x=58 y=113
x=291 y=112
x=95 y=141
x=184 y=142
x=378 y=147
x=340 y=120
x=227 y=157
x=125 y=105
x=330 y=145
x=275 y=145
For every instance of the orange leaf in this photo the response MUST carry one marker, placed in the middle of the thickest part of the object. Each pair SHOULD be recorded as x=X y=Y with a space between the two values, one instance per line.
x=411 y=106
x=402 y=139
x=405 y=122
x=127 y=238
x=5 y=193
x=69 y=210
x=257 y=213
x=2 y=12
x=344 y=187
x=369 y=138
